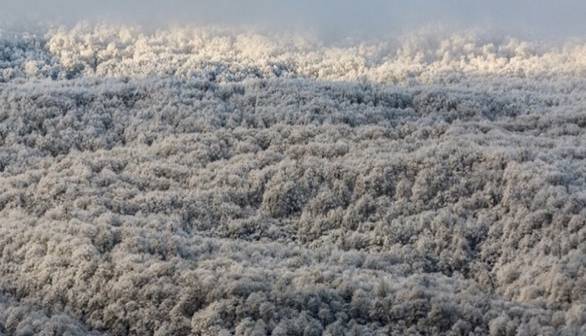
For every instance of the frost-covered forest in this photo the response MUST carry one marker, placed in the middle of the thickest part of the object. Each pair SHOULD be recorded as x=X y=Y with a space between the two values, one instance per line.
x=204 y=181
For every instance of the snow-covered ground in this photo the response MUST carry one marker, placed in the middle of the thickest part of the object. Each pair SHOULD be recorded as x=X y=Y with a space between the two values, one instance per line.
x=212 y=182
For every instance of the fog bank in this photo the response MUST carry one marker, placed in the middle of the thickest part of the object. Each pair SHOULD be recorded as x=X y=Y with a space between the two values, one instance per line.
x=328 y=17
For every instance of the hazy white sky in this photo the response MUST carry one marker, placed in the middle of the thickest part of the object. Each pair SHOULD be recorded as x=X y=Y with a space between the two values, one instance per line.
x=340 y=17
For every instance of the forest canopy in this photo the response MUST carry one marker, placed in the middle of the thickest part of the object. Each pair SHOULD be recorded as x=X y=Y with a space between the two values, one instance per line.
x=212 y=182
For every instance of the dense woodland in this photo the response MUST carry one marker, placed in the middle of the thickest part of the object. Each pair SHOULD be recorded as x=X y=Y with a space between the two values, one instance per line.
x=199 y=181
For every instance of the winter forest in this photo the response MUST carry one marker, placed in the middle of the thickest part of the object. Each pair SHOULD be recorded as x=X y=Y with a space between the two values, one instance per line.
x=203 y=180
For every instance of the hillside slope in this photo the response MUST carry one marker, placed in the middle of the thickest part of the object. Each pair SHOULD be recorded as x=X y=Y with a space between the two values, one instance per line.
x=208 y=182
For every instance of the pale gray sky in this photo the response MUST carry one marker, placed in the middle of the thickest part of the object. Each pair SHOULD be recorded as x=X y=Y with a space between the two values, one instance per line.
x=338 y=17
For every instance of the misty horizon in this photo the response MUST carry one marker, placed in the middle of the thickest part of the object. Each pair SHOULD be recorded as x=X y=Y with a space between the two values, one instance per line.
x=372 y=18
